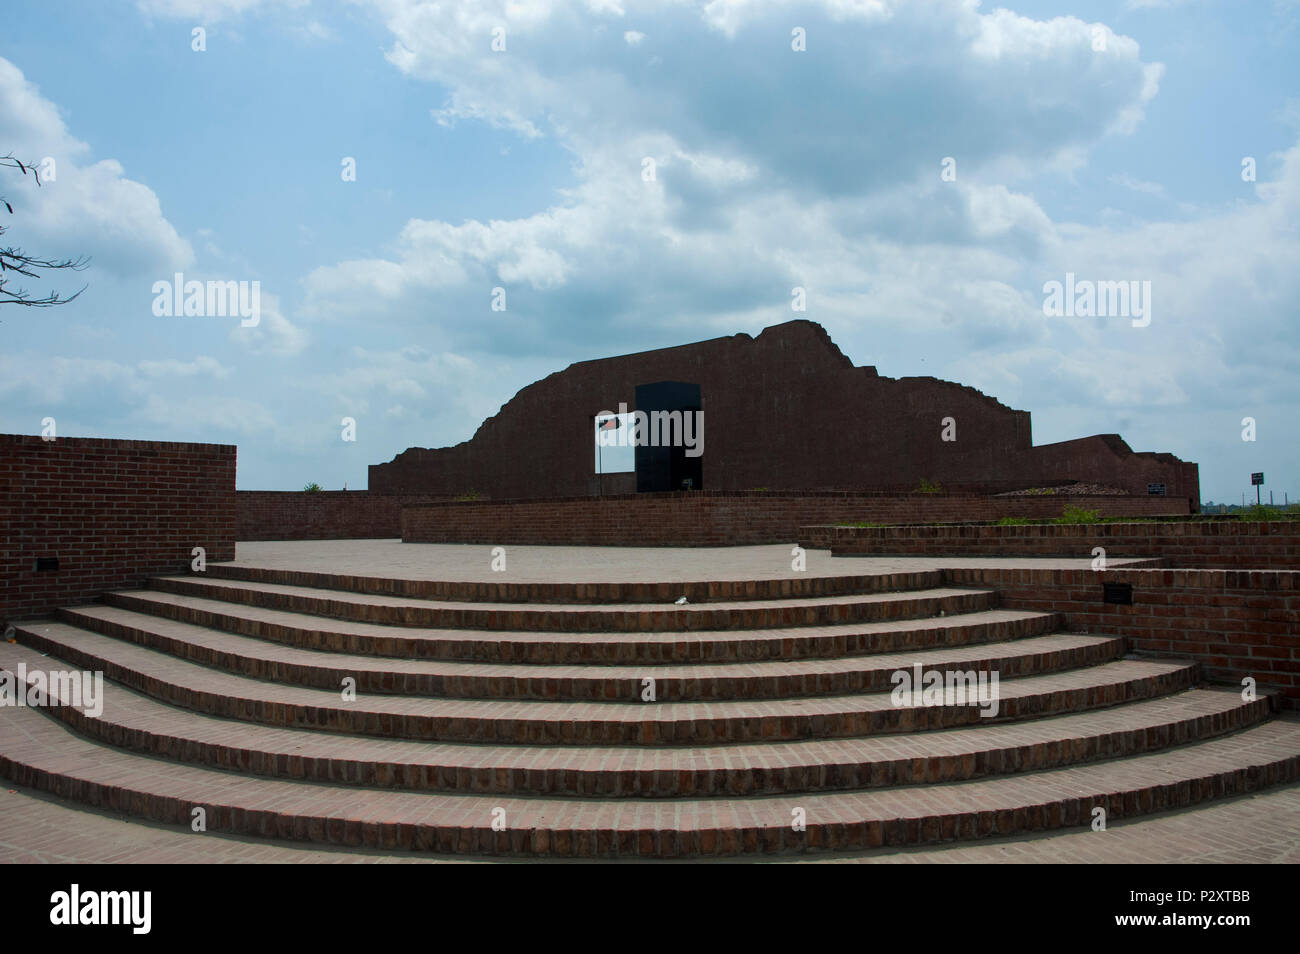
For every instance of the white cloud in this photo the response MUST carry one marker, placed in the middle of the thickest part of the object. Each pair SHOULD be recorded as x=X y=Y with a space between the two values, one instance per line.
x=89 y=208
x=210 y=11
x=273 y=335
x=1137 y=185
x=171 y=366
x=895 y=264
x=229 y=415
x=988 y=86
x=773 y=168
x=315 y=31
x=49 y=380
x=55 y=380
x=441 y=391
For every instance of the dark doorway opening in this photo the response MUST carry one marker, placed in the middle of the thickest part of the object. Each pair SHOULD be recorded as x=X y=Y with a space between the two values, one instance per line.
x=670 y=453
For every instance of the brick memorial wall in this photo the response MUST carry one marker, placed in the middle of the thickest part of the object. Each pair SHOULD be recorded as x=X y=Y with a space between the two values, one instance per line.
x=111 y=512
x=1207 y=544
x=1236 y=623
x=721 y=518
x=786 y=411
x=324 y=515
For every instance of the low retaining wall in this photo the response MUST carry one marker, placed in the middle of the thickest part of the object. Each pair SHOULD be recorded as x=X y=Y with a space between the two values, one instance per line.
x=110 y=512
x=722 y=518
x=1235 y=623
x=323 y=515
x=1203 y=544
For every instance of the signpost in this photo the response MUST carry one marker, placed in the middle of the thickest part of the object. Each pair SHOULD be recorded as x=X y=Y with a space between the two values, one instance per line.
x=1257 y=479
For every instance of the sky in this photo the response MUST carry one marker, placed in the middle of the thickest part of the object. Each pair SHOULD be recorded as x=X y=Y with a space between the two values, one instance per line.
x=442 y=203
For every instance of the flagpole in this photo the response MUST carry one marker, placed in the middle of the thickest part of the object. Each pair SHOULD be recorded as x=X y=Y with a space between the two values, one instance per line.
x=600 y=445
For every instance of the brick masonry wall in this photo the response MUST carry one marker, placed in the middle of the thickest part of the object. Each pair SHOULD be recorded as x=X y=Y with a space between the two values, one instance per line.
x=1236 y=623
x=786 y=410
x=718 y=518
x=327 y=515
x=111 y=511
x=1202 y=544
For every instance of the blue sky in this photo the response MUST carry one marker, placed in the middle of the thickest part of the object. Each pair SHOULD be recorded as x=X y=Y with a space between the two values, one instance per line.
x=523 y=169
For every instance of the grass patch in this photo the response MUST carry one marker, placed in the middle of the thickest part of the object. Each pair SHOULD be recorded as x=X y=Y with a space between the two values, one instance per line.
x=1075 y=514
x=1260 y=512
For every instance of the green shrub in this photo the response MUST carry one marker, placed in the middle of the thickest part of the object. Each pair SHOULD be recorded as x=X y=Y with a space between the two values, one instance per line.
x=1260 y=512
x=1013 y=521
x=467 y=496
x=313 y=488
x=1075 y=514
x=863 y=524
x=928 y=488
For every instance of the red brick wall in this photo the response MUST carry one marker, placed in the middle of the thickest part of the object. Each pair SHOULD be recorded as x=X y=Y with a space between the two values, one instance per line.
x=1236 y=623
x=1103 y=457
x=718 y=518
x=112 y=511
x=1203 y=544
x=785 y=411
x=327 y=515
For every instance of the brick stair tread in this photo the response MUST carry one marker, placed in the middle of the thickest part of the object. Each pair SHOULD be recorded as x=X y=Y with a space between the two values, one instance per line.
x=389 y=632
x=585 y=591
x=174 y=671
x=572 y=608
x=31 y=741
x=350 y=664
x=132 y=710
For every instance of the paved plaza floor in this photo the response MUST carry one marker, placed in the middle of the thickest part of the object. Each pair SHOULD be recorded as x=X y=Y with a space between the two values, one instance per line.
x=535 y=564
x=1252 y=829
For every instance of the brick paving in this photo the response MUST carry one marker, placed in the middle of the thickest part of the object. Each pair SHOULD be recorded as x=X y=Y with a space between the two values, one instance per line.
x=568 y=617
x=38 y=751
x=1260 y=828
x=142 y=724
x=568 y=722
x=519 y=693
x=772 y=678
x=553 y=648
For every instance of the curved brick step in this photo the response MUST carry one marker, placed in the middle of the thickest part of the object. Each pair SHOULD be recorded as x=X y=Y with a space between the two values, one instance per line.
x=42 y=753
x=623 y=618
x=759 y=680
x=133 y=721
x=191 y=686
x=791 y=586
x=505 y=646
